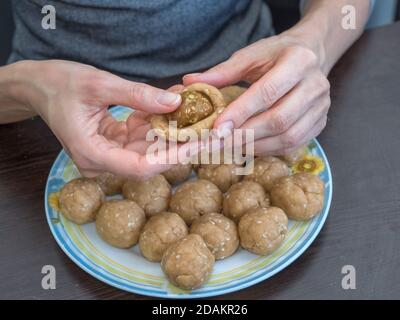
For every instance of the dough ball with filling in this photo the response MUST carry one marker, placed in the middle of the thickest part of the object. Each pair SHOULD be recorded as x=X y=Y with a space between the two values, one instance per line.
x=159 y=233
x=242 y=197
x=219 y=233
x=119 y=223
x=195 y=198
x=263 y=230
x=152 y=195
x=188 y=262
x=80 y=199
x=301 y=195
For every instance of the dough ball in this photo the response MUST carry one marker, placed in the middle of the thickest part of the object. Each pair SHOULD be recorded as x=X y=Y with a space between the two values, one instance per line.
x=195 y=106
x=195 y=198
x=80 y=199
x=200 y=107
x=301 y=196
x=294 y=156
x=267 y=170
x=110 y=183
x=218 y=232
x=263 y=230
x=222 y=175
x=178 y=173
x=119 y=222
x=242 y=197
x=151 y=195
x=188 y=263
x=159 y=233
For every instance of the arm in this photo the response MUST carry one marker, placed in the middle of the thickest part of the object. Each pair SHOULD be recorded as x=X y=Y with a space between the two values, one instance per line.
x=13 y=106
x=321 y=28
x=73 y=100
x=289 y=97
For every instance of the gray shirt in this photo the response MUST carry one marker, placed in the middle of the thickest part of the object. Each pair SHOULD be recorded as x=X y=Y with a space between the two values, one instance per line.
x=143 y=39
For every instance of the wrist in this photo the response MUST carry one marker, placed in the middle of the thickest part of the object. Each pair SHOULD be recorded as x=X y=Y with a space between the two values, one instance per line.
x=311 y=33
x=17 y=84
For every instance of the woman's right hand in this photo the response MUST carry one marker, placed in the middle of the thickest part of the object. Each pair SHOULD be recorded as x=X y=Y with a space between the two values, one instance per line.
x=73 y=98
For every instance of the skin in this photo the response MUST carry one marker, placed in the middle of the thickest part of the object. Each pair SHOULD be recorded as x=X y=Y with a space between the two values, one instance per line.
x=287 y=102
x=73 y=98
x=289 y=97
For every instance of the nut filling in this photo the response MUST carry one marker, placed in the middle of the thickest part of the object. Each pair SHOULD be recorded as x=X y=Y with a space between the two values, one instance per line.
x=200 y=107
x=195 y=106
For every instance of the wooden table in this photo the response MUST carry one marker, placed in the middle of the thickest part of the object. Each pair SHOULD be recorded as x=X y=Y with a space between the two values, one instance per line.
x=362 y=141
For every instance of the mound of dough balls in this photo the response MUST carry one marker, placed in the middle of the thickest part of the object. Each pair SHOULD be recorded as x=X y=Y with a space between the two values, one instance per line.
x=242 y=197
x=119 y=223
x=151 y=195
x=178 y=173
x=159 y=233
x=267 y=170
x=219 y=233
x=110 y=183
x=222 y=175
x=301 y=195
x=195 y=198
x=188 y=262
x=263 y=230
x=80 y=199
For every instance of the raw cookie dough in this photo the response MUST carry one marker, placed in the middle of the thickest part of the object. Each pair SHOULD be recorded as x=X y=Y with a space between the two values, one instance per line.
x=188 y=263
x=219 y=233
x=263 y=230
x=295 y=155
x=159 y=233
x=231 y=93
x=119 y=223
x=267 y=170
x=301 y=196
x=195 y=198
x=110 y=183
x=200 y=107
x=178 y=173
x=80 y=199
x=222 y=175
x=243 y=196
x=151 y=195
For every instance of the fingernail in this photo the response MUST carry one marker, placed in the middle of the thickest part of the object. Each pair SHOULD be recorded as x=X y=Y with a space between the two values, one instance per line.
x=169 y=98
x=225 y=129
x=192 y=74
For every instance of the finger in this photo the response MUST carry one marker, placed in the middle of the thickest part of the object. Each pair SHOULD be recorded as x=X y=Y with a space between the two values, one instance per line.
x=178 y=88
x=299 y=133
x=286 y=73
x=115 y=90
x=287 y=110
x=226 y=73
x=129 y=163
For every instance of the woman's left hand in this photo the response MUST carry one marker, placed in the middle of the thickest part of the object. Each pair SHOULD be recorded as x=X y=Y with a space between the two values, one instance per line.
x=289 y=97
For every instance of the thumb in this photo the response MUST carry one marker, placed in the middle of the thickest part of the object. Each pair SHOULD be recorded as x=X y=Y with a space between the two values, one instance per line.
x=224 y=74
x=139 y=96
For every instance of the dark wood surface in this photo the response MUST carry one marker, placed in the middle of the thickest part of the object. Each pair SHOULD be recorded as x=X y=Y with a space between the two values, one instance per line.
x=362 y=141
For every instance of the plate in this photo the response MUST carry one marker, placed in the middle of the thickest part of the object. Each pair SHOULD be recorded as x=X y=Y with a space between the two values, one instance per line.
x=127 y=270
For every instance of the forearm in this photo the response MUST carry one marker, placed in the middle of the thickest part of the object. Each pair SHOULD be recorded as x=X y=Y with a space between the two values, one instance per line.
x=321 y=28
x=14 y=92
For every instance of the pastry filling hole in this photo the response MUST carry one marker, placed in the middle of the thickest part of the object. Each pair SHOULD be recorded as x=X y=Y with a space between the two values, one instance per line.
x=195 y=107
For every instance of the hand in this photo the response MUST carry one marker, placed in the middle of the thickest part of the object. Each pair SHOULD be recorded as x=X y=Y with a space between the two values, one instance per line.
x=289 y=97
x=73 y=99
